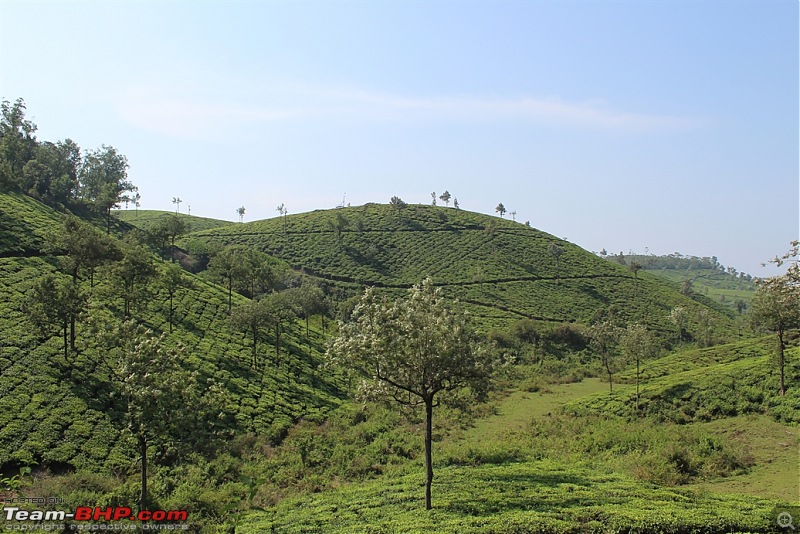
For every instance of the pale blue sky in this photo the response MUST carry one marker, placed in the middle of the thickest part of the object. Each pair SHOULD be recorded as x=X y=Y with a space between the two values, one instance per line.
x=624 y=125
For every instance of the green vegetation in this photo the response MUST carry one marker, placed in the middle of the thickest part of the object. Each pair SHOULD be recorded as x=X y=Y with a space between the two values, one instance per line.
x=177 y=362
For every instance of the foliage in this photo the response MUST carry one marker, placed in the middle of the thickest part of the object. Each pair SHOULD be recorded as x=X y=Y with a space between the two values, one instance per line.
x=410 y=351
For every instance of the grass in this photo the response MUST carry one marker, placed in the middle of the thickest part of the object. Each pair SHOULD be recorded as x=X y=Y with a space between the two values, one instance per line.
x=540 y=497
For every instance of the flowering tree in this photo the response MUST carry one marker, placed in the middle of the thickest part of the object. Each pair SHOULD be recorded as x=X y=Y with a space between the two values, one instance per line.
x=776 y=305
x=410 y=351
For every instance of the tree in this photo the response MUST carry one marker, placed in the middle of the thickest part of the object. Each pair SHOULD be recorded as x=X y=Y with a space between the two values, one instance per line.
x=433 y=198
x=638 y=344
x=556 y=251
x=339 y=224
x=680 y=318
x=412 y=350
x=603 y=335
x=17 y=144
x=455 y=203
x=177 y=201
x=445 y=197
x=514 y=215
x=705 y=327
x=152 y=386
x=240 y=212
x=85 y=247
x=635 y=267
x=133 y=273
x=173 y=280
x=104 y=180
x=397 y=203
x=283 y=212
x=308 y=300
x=500 y=209
x=52 y=174
x=136 y=200
x=279 y=310
x=171 y=226
x=55 y=303
x=227 y=265
x=251 y=318
x=776 y=308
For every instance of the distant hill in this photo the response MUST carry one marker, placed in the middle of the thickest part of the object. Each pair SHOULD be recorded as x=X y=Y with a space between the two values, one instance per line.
x=503 y=270
x=146 y=219
x=696 y=275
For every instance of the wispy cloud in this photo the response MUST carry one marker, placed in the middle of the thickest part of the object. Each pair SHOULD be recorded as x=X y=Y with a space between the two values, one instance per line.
x=188 y=113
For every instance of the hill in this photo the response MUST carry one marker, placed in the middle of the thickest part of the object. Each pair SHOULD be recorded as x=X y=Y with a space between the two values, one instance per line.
x=147 y=219
x=696 y=275
x=504 y=271
x=61 y=413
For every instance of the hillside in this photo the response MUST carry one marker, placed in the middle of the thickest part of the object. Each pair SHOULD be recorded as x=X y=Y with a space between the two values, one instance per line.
x=59 y=414
x=503 y=270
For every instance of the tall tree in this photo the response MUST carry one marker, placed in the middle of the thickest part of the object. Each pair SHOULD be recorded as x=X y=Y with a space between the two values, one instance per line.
x=228 y=266
x=104 y=180
x=177 y=201
x=433 y=198
x=776 y=308
x=56 y=303
x=17 y=144
x=173 y=280
x=412 y=351
x=556 y=251
x=252 y=318
x=603 y=335
x=500 y=209
x=133 y=272
x=445 y=197
x=280 y=310
x=170 y=227
x=638 y=344
x=339 y=225
x=308 y=300
x=153 y=386
x=680 y=318
x=240 y=212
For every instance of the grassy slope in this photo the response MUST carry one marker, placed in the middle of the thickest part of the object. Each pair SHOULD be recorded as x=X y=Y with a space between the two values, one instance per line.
x=700 y=385
x=52 y=418
x=500 y=268
x=491 y=480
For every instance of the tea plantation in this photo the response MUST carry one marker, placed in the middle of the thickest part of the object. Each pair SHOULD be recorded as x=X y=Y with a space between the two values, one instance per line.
x=282 y=444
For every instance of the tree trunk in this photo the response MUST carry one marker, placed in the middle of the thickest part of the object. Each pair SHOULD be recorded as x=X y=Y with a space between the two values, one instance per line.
x=71 y=332
x=637 y=386
x=255 y=339
x=781 y=360
x=170 y=312
x=143 y=452
x=428 y=456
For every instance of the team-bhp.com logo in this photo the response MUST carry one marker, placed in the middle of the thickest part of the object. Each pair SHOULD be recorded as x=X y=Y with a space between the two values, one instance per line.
x=164 y=519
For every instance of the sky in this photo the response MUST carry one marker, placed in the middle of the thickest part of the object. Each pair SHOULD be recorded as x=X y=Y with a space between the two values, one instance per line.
x=651 y=127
